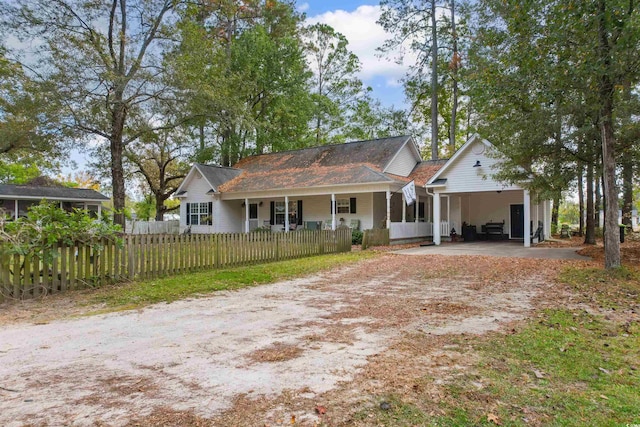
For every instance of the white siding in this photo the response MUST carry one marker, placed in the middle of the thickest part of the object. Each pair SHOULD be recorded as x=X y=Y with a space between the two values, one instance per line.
x=462 y=177
x=228 y=217
x=492 y=207
x=196 y=189
x=404 y=162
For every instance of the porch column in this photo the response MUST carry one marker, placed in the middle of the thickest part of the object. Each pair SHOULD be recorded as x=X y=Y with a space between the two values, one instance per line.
x=436 y=218
x=545 y=219
x=417 y=208
x=246 y=215
x=527 y=219
x=333 y=211
x=286 y=214
x=100 y=210
x=404 y=209
x=388 y=209
x=15 y=212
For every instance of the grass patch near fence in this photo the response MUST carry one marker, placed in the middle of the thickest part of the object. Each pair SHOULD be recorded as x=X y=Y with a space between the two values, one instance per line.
x=168 y=289
x=564 y=367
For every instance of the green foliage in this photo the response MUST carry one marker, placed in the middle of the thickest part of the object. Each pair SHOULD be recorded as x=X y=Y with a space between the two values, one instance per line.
x=46 y=226
x=569 y=213
x=356 y=237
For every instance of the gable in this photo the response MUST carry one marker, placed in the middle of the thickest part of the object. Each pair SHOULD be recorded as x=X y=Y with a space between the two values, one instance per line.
x=405 y=160
x=460 y=174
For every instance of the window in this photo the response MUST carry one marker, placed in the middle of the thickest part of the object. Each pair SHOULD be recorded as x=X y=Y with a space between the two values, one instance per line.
x=345 y=206
x=199 y=213
x=280 y=212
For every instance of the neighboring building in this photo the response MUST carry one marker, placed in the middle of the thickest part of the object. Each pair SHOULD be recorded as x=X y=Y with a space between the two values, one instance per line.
x=16 y=199
x=357 y=184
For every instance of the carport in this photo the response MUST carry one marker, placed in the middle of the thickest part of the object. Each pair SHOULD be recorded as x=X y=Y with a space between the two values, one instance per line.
x=467 y=198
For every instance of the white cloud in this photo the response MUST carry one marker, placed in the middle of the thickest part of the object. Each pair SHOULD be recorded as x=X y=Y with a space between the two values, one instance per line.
x=365 y=35
x=303 y=7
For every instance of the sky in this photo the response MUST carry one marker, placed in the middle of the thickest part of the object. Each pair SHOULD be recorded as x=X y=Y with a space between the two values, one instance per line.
x=356 y=19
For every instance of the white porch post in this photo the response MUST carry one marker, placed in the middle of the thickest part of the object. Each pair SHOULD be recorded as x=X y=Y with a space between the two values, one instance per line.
x=286 y=214
x=417 y=208
x=527 y=219
x=404 y=209
x=15 y=211
x=545 y=219
x=448 y=211
x=388 y=209
x=436 y=218
x=333 y=211
x=246 y=215
x=100 y=210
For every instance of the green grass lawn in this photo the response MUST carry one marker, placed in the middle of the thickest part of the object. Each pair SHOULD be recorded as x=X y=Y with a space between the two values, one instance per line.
x=138 y=294
x=564 y=367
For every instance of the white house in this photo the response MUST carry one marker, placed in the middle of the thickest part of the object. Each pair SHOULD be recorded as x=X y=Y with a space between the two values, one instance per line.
x=357 y=184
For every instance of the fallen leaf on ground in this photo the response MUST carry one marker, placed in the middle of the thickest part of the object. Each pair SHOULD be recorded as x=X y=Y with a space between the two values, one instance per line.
x=493 y=418
x=321 y=410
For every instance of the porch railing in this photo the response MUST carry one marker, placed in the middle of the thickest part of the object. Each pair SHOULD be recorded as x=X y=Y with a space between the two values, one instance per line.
x=444 y=228
x=408 y=230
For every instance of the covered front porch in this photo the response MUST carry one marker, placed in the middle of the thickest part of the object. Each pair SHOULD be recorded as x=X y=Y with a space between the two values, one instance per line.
x=358 y=209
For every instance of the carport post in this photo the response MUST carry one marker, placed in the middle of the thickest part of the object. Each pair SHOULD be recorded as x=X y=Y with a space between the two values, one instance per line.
x=416 y=208
x=436 y=218
x=527 y=219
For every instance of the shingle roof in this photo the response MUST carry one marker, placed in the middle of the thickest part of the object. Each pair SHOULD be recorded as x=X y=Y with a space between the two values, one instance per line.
x=217 y=175
x=53 y=193
x=351 y=163
x=304 y=178
x=424 y=170
x=376 y=153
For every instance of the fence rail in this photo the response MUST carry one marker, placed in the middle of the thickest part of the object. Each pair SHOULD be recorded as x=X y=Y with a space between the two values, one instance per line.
x=149 y=256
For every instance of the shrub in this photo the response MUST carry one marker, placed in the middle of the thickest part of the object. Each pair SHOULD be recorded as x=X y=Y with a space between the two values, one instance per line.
x=46 y=226
x=356 y=237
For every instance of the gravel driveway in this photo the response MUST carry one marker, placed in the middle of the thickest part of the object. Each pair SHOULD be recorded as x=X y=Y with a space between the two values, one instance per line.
x=205 y=356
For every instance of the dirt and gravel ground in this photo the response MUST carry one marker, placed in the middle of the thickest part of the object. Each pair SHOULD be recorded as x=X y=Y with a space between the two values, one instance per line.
x=310 y=351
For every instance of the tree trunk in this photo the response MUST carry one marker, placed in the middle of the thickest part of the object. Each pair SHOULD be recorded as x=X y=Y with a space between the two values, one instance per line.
x=160 y=208
x=598 y=193
x=590 y=235
x=627 y=192
x=580 y=200
x=118 y=116
x=454 y=68
x=606 y=92
x=434 y=83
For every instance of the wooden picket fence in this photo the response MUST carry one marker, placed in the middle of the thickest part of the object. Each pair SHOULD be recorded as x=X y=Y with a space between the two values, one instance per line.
x=149 y=256
x=375 y=237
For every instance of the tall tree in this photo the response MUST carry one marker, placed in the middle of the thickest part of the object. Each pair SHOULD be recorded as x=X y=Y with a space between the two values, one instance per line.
x=561 y=54
x=336 y=87
x=102 y=60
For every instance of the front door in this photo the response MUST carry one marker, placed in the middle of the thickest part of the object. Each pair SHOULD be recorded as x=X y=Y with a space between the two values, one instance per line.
x=517 y=221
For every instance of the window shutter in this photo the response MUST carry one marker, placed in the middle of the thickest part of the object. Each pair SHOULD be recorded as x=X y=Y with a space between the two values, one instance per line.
x=299 y=212
x=272 y=218
x=352 y=205
x=188 y=213
x=210 y=221
x=331 y=207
